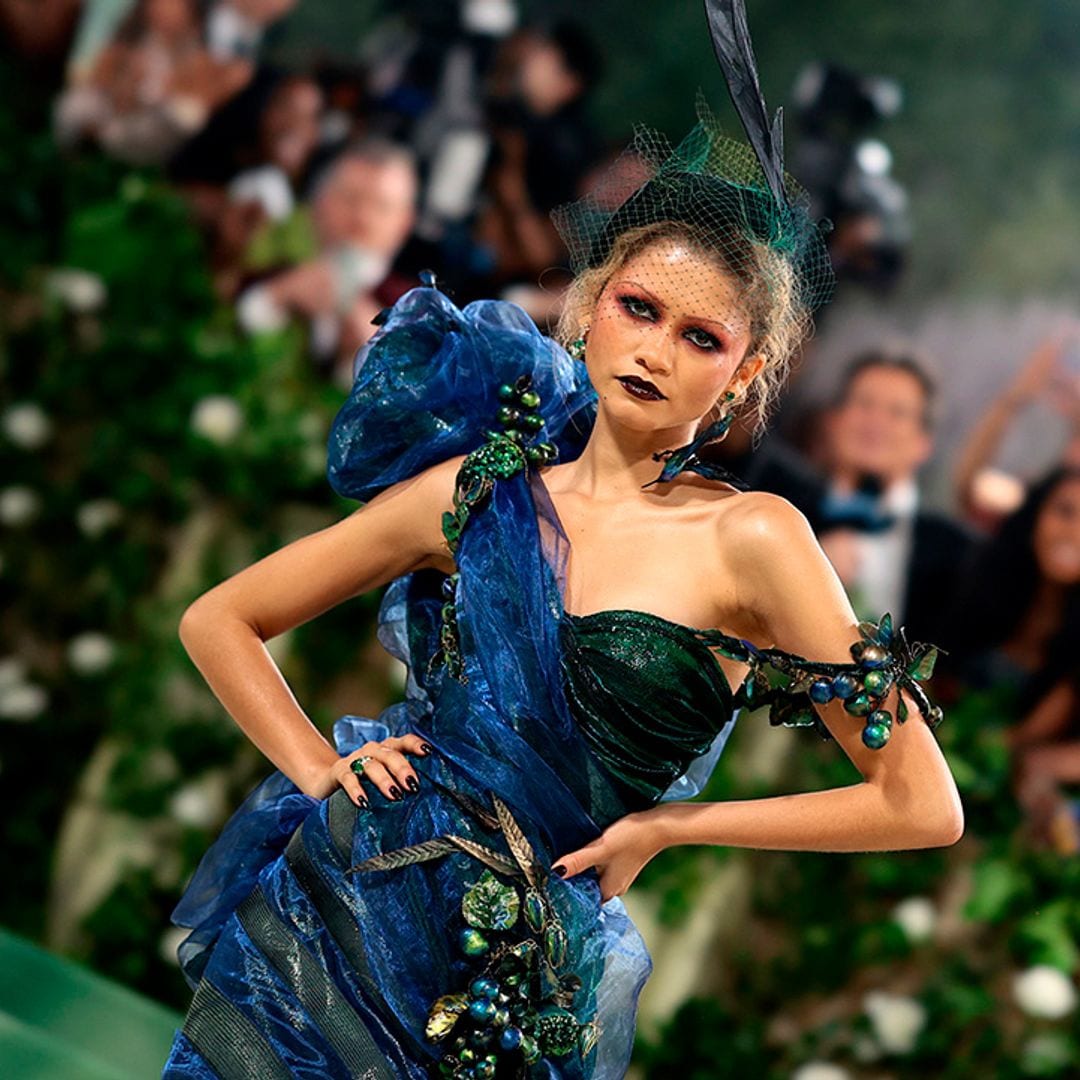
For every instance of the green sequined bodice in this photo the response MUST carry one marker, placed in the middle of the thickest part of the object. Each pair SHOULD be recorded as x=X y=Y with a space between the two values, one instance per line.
x=647 y=695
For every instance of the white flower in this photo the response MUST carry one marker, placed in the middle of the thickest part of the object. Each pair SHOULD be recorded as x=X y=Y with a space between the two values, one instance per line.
x=27 y=425
x=200 y=804
x=12 y=671
x=218 y=418
x=90 y=652
x=22 y=701
x=259 y=313
x=170 y=942
x=97 y=515
x=1044 y=991
x=896 y=1020
x=80 y=290
x=820 y=1070
x=917 y=917
x=18 y=505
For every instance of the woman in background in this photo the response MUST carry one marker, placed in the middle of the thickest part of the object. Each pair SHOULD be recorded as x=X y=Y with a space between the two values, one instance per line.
x=1017 y=619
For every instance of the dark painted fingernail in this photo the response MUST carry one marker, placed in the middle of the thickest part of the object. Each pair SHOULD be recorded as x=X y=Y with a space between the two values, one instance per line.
x=362 y=802
x=412 y=783
x=560 y=870
x=427 y=748
x=395 y=792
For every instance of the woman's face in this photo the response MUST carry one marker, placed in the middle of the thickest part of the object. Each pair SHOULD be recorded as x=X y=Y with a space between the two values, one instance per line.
x=1057 y=534
x=665 y=338
x=290 y=124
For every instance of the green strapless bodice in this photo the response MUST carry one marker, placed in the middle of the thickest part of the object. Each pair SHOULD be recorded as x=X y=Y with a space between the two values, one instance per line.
x=647 y=694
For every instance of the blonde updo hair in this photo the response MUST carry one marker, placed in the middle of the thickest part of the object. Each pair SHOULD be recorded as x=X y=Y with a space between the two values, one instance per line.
x=779 y=322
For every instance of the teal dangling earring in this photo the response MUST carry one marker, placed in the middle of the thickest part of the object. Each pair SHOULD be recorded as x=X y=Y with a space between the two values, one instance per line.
x=577 y=348
x=719 y=427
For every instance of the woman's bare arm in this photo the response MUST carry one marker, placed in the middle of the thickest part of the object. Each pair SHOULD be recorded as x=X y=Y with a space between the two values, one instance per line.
x=907 y=799
x=225 y=629
x=987 y=434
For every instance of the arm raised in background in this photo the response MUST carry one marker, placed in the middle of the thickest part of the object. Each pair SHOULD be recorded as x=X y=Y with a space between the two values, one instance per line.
x=225 y=630
x=988 y=433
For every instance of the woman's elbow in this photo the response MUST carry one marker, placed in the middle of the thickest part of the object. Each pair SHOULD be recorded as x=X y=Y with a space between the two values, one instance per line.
x=200 y=618
x=951 y=830
x=930 y=818
x=942 y=828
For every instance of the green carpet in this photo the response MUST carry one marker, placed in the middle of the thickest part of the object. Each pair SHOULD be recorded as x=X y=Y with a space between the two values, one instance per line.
x=60 y=1020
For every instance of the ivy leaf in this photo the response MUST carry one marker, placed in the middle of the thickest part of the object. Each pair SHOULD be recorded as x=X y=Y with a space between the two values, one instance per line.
x=490 y=905
x=444 y=1015
x=775 y=678
x=922 y=665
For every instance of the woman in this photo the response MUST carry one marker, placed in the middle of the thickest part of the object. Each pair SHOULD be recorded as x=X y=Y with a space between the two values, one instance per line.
x=1019 y=637
x=447 y=900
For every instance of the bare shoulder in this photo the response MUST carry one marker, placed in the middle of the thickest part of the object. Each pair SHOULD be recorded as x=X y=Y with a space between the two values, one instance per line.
x=757 y=520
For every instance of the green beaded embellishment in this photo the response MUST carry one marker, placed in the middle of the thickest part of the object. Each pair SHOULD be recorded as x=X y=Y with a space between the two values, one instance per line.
x=517 y=1007
x=791 y=685
x=504 y=454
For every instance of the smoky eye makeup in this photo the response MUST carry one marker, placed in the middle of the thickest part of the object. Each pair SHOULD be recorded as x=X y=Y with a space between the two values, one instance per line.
x=702 y=339
x=637 y=306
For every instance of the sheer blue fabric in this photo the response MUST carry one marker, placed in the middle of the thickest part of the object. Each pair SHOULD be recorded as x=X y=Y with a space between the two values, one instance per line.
x=425 y=390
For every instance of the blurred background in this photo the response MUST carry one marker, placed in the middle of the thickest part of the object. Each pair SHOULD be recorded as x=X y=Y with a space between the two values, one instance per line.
x=204 y=204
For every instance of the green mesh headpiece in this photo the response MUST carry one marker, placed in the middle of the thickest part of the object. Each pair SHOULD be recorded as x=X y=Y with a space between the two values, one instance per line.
x=714 y=184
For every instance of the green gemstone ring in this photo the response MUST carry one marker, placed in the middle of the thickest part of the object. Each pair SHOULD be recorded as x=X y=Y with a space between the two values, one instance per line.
x=357 y=766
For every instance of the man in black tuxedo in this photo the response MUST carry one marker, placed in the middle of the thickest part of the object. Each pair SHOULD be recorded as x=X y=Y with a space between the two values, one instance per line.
x=892 y=553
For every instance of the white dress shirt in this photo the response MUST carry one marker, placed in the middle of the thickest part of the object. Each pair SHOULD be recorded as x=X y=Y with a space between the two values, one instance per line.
x=881 y=580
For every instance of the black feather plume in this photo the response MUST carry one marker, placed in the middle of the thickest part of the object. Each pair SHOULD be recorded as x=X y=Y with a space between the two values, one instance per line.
x=735 y=53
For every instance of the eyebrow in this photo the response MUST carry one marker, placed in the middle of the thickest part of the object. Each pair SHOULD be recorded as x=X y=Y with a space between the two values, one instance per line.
x=729 y=330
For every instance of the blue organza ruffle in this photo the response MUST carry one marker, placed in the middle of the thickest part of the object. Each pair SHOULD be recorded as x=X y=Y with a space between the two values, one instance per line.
x=426 y=388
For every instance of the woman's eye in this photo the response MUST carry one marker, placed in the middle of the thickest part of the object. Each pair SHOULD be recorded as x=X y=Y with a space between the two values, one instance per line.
x=637 y=307
x=701 y=338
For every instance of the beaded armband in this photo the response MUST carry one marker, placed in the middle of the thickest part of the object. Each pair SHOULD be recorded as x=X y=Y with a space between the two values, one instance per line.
x=504 y=454
x=791 y=685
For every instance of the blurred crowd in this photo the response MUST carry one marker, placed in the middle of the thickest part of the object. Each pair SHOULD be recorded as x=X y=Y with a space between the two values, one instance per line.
x=321 y=193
